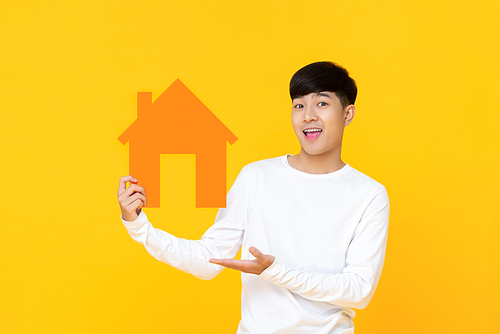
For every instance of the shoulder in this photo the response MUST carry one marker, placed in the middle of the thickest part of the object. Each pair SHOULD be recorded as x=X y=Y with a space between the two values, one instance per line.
x=257 y=171
x=362 y=182
x=265 y=165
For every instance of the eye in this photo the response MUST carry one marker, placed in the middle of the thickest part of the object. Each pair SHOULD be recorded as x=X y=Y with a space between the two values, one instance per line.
x=322 y=104
x=298 y=106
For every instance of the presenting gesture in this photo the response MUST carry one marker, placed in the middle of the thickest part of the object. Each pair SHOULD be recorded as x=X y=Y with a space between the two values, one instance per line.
x=131 y=199
x=257 y=266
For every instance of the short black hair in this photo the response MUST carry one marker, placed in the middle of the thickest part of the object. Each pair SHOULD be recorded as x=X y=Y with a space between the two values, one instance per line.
x=324 y=76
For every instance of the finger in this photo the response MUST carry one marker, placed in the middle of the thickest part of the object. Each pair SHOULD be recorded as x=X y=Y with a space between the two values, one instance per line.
x=132 y=189
x=131 y=209
x=130 y=203
x=246 y=266
x=228 y=263
x=123 y=183
x=131 y=199
x=135 y=188
x=137 y=204
x=231 y=263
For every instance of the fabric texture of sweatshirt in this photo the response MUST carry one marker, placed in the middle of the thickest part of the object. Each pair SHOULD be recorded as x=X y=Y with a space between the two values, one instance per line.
x=328 y=233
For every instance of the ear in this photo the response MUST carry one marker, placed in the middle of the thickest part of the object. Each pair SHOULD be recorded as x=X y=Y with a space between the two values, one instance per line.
x=349 y=112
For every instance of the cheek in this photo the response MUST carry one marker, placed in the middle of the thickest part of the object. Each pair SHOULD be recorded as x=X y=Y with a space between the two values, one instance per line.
x=334 y=121
x=296 y=122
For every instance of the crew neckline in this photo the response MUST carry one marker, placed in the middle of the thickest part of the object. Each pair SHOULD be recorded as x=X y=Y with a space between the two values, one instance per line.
x=339 y=172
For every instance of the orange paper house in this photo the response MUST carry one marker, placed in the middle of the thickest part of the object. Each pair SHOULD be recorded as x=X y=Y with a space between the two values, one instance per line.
x=177 y=122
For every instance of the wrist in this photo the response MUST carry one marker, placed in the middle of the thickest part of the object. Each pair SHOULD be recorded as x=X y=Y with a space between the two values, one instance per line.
x=129 y=217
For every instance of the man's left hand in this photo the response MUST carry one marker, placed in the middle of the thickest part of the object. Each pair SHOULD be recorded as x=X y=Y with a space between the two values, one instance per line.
x=257 y=266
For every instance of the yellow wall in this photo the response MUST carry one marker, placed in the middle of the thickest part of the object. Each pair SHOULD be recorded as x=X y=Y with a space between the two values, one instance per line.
x=426 y=127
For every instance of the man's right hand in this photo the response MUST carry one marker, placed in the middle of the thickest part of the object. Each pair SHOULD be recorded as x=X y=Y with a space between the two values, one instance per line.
x=131 y=199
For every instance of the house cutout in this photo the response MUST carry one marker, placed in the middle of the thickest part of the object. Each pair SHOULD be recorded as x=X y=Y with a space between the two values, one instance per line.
x=177 y=122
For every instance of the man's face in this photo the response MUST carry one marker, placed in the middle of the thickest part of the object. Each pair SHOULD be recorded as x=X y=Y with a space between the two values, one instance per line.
x=318 y=120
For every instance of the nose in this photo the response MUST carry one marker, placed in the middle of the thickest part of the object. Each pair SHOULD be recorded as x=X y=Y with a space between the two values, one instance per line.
x=309 y=115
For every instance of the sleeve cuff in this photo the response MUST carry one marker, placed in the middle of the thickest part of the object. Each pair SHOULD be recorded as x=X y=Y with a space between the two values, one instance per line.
x=141 y=218
x=273 y=270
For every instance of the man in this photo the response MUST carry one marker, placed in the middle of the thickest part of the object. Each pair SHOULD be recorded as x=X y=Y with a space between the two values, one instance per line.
x=312 y=229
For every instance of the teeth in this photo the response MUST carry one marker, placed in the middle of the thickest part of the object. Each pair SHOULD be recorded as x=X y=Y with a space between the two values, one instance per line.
x=312 y=130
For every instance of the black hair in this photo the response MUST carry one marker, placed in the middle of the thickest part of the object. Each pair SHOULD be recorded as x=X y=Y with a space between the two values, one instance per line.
x=324 y=76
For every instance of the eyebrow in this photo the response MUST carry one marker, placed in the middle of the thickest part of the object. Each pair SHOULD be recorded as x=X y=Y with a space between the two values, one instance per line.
x=322 y=94
x=315 y=94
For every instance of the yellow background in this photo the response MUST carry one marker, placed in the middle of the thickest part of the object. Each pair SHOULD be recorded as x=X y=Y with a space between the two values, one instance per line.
x=426 y=127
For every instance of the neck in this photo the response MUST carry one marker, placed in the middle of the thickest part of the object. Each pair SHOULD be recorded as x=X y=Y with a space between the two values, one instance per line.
x=324 y=163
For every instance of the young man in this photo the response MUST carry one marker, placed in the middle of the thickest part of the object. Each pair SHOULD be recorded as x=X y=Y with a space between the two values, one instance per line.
x=312 y=229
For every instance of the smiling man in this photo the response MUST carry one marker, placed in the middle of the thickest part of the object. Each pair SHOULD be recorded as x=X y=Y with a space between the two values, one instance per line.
x=312 y=229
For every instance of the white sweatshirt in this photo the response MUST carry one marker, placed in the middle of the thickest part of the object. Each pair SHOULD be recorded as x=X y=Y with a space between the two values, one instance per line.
x=328 y=233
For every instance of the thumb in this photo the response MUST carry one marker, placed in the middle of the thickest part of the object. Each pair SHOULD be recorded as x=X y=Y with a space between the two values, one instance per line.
x=258 y=255
x=265 y=259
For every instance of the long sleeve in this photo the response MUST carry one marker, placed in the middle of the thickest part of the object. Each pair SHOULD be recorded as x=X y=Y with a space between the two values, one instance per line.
x=222 y=240
x=355 y=285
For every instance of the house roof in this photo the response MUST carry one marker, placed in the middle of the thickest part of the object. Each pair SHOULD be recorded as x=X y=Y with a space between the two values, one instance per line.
x=176 y=112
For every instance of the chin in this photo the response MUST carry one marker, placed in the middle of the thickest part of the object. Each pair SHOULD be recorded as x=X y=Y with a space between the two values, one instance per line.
x=313 y=152
x=318 y=151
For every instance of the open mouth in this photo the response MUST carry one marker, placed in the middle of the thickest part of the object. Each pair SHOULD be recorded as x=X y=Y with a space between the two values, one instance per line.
x=312 y=134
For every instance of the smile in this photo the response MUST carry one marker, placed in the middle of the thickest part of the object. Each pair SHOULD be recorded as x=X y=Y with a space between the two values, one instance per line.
x=312 y=134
